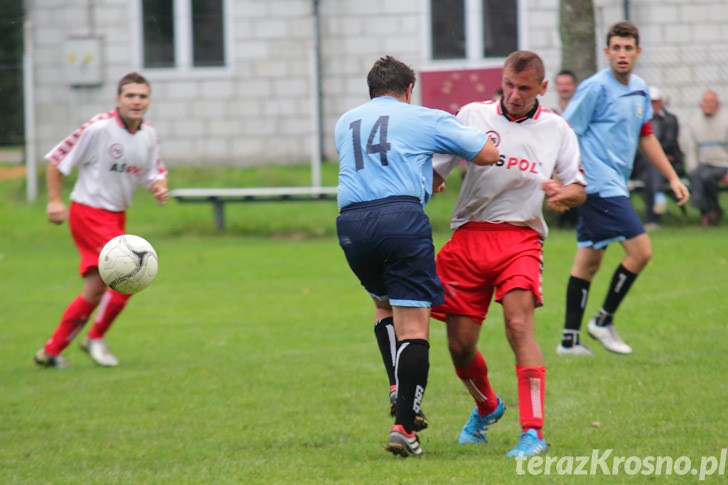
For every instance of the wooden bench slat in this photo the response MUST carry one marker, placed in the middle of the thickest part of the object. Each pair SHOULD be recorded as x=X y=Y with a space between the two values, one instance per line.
x=218 y=197
x=251 y=192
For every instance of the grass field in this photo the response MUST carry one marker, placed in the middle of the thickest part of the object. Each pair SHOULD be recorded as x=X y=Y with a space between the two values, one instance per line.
x=251 y=358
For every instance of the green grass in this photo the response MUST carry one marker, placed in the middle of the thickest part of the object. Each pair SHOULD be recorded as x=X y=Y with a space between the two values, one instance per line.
x=251 y=358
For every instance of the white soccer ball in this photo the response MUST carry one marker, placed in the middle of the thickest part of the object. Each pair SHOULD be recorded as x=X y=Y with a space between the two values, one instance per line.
x=128 y=264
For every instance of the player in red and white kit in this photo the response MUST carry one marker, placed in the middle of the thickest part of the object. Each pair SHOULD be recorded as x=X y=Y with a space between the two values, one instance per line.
x=497 y=243
x=115 y=152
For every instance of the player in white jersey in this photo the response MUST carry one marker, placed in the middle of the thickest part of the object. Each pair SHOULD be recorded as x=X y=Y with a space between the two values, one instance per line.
x=115 y=153
x=497 y=244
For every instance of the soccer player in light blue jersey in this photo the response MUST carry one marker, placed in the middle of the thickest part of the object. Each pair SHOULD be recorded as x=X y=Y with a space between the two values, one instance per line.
x=610 y=114
x=385 y=149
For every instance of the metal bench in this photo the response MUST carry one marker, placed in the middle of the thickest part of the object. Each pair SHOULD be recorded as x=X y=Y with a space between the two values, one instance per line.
x=219 y=197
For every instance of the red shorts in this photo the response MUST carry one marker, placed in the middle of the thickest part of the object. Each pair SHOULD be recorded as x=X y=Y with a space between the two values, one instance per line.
x=482 y=258
x=91 y=229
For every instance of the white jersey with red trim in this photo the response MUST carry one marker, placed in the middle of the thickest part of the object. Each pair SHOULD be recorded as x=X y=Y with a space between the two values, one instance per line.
x=113 y=161
x=532 y=149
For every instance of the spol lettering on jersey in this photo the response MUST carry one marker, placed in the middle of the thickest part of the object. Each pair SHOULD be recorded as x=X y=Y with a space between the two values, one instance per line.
x=124 y=168
x=514 y=162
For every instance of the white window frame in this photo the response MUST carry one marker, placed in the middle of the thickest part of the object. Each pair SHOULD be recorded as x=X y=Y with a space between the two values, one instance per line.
x=183 y=51
x=473 y=37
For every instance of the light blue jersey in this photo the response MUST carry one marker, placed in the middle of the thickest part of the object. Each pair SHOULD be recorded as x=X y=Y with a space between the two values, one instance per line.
x=607 y=117
x=385 y=149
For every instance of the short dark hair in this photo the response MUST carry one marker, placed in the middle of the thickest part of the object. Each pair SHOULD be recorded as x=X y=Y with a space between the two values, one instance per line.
x=567 y=72
x=519 y=61
x=132 y=78
x=389 y=76
x=624 y=29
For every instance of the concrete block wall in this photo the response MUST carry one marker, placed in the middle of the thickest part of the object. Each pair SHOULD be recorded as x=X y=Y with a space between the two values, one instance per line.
x=260 y=109
x=684 y=48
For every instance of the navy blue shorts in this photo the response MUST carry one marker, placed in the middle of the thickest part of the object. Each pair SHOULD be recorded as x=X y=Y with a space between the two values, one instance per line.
x=604 y=220
x=388 y=245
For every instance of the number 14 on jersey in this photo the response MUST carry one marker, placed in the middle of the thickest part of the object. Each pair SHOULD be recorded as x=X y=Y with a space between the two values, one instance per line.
x=379 y=131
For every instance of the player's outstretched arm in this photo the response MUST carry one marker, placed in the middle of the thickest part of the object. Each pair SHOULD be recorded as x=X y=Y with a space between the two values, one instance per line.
x=159 y=191
x=56 y=209
x=681 y=192
x=650 y=146
x=488 y=155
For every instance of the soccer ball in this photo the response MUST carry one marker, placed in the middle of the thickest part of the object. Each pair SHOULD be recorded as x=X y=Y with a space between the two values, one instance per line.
x=128 y=264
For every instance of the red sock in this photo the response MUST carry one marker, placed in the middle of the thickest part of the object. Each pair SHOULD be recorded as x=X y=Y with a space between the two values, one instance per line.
x=112 y=303
x=531 y=393
x=475 y=378
x=72 y=321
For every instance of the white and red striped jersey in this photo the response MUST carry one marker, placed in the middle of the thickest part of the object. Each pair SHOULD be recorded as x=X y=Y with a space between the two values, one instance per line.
x=532 y=149
x=112 y=161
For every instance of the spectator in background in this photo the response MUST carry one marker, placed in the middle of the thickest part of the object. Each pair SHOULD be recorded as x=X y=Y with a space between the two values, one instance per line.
x=707 y=157
x=565 y=88
x=666 y=129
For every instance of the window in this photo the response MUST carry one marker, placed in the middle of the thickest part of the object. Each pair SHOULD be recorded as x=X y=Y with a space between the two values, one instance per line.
x=448 y=29
x=158 y=28
x=182 y=34
x=500 y=28
x=473 y=29
x=207 y=29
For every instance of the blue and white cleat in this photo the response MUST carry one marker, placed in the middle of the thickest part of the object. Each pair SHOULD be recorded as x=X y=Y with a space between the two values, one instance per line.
x=474 y=431
x=528 y=445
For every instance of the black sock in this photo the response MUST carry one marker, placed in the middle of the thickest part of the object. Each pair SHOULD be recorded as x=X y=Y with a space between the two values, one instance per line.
x=387 y=341
x=603 y=318
x=622 y=280
x=577 y=294
x=570 y=338
x=412 y=367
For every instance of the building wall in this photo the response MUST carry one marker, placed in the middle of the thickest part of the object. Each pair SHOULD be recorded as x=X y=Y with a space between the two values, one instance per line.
x=685 y=48
x=262 y=108
x=259 y=110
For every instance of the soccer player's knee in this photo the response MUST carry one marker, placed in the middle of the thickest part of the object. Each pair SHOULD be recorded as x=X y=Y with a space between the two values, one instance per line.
x=518 y=329
x=647 y=257
x=461 y=352
x=592 y=267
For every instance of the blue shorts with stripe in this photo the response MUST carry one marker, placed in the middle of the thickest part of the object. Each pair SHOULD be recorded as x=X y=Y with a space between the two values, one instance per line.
x=604 y=220
x=388 y=245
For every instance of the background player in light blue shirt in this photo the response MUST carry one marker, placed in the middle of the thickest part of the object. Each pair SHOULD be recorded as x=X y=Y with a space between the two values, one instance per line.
x=385 y=149
x=610 y=114
x=608 y=117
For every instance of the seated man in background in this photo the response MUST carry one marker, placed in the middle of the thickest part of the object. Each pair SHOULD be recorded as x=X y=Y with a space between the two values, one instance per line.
x=707 y=157
x=666 y=128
